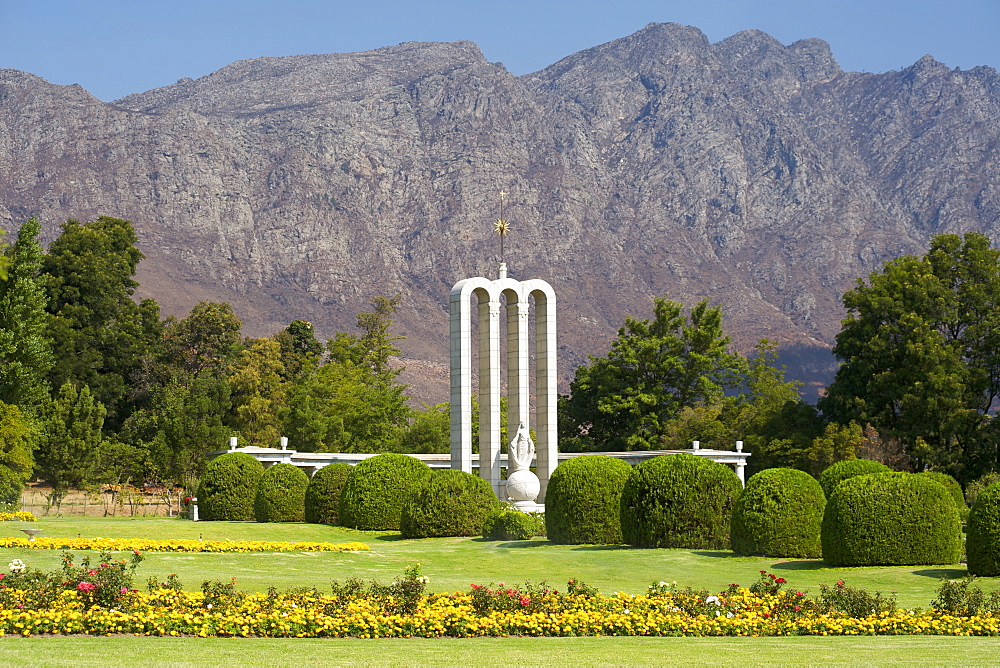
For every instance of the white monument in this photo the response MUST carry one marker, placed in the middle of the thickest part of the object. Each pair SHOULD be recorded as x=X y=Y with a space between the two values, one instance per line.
x=522 y=485
x=488 y=294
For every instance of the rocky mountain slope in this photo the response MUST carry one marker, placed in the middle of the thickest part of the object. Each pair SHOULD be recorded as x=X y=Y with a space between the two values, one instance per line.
x=756 y=174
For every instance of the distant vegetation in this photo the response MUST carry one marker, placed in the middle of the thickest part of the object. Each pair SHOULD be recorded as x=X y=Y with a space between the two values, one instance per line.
x=96 y=388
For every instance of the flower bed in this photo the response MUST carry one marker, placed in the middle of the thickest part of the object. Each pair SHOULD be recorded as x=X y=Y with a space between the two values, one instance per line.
x=177 y=545
x=402 y=609
x=171 y=613
x=19 y=516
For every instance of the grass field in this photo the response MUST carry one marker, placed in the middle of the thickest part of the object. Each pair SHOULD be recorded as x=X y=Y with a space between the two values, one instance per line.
x=128 y=651
x=452 y=564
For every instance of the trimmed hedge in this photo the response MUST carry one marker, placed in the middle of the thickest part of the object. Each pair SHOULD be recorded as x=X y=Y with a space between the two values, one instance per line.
x=510 y=524
x=891 y=519
x=779 y=514
x=281 y=494
x=583 y=500
x=679 y=500
x=376 y=489
x=982 y=544
x=954 y=489
x=449 y=503
x=837 y=472
x=228 y=488
x=323 y=493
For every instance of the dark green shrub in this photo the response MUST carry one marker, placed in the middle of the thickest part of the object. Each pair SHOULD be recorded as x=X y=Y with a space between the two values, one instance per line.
x=891 y=519
x=583 y=500
x=376 y=489
x=982 y=544
x=323 y=493
x=779 y=514
x=449 y=503
x=228 y=488
x=973 y=489
x=510 y=524
x=954 y=490
x=679 y=500
x=281 y=494
x=848 y=468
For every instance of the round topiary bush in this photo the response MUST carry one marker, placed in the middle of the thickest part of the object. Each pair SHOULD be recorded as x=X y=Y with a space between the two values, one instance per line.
x=835 y=473
x=510 y=524
x=228 y=488
x=679 y=500
x=890 y=519
x=449 y=503
x=323 y=493
x=954 y=489
x=779 y=514
x=982 y=544
x=281 y=494
x=376 y=489
x=583 y=500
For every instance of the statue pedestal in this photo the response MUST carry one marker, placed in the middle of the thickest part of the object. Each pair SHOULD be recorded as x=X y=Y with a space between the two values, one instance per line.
x=523 y=487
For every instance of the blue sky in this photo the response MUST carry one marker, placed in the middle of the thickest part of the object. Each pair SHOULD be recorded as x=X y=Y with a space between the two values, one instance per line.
x=116 y=47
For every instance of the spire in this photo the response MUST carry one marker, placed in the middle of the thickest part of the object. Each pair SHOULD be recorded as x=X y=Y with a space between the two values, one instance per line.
x=501 y=228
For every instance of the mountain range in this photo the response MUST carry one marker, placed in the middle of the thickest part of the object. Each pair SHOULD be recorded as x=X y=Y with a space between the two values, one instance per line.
x=755 y=174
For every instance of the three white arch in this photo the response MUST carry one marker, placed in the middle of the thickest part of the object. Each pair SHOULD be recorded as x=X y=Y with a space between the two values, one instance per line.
x=488 y=294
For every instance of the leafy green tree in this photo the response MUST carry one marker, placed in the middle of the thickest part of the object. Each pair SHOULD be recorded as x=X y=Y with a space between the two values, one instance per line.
x=258 y=392
x=25 y=353
x=430 y=431
x=300 y=351
x=207 y=339
x=100 y=336
x=920 y=353
x=189 y=423
x=340 y=407
x=16 y=462
x=70 y=438
x=373 y=347
x=353 y=402
x=655 y=369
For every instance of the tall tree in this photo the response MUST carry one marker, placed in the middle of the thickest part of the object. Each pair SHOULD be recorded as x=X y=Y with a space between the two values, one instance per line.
x=258 y=392
x=70 y=438
x=300 y=351
x=25 y=352
x=920 y=353
x=353 y=402
x=189 y=425
x=101 y=337
x=16 y=461
x=207 y=339
x=654 y=369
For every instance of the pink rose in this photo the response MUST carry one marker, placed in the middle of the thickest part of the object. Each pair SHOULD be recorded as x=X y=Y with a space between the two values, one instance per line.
x=86 y=586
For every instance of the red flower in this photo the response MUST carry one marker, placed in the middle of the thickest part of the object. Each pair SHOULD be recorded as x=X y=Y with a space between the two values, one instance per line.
x=86 y=586
x=475 y=586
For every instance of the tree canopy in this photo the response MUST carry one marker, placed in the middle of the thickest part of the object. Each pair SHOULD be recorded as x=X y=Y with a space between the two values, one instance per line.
x=654 y=370
x=920 y=353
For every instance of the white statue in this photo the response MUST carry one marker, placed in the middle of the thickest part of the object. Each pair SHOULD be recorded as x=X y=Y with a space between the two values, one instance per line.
x=522 y=485
x=522 y=449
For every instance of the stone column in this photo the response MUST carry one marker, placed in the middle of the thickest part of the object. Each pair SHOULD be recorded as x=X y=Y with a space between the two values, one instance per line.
x=518 y=389
x=546 y=389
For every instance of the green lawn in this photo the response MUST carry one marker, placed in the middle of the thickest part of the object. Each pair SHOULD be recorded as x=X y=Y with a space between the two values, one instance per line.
x=126 y=651
x=453 y=563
